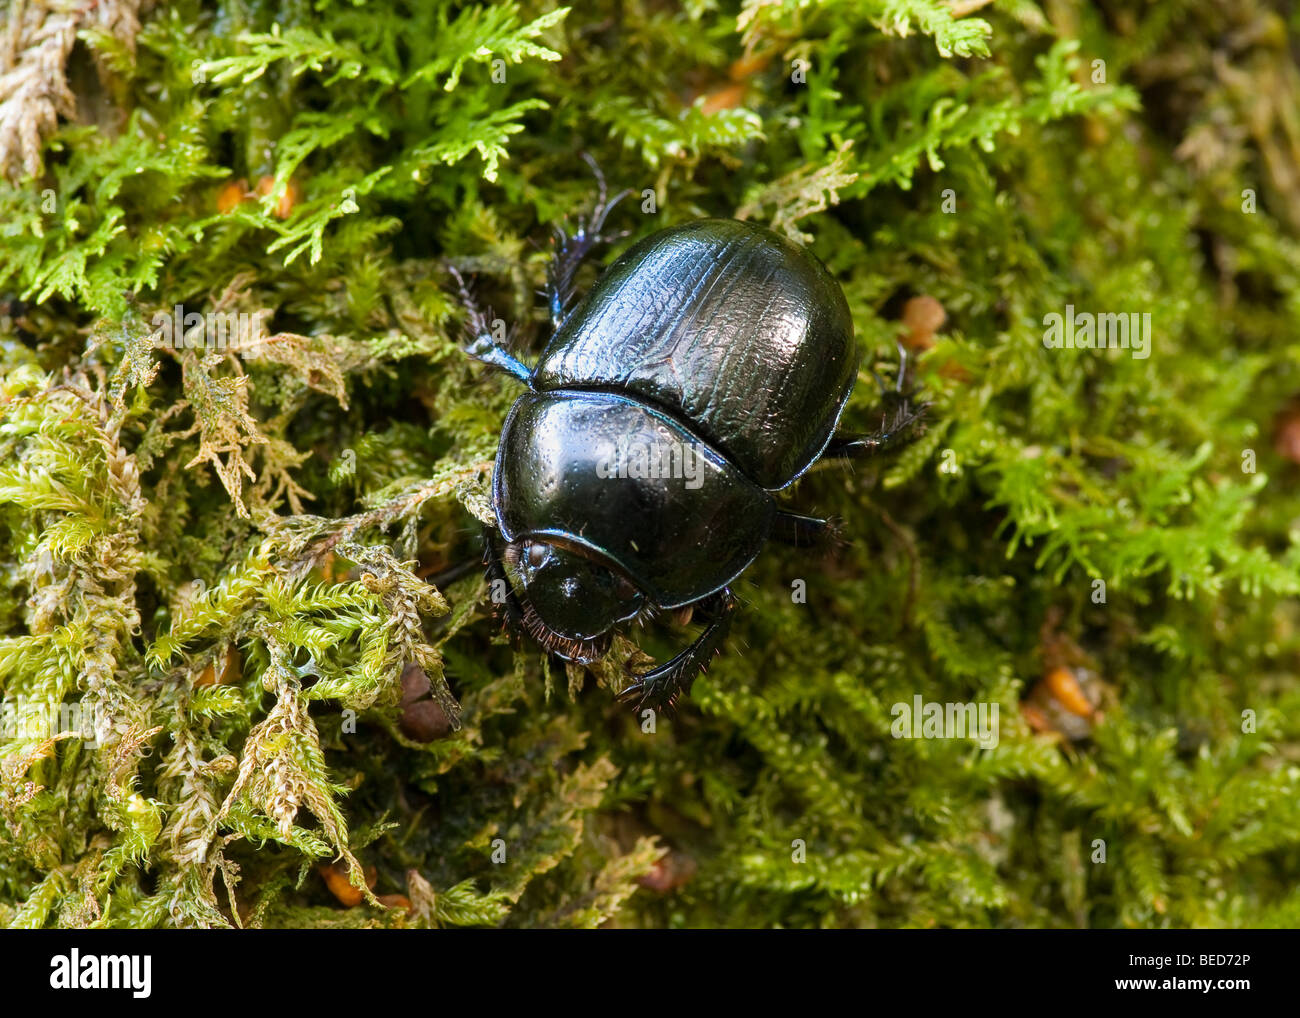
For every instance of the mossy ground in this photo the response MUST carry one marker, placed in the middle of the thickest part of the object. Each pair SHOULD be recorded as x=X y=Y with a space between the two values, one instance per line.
x=221 y=555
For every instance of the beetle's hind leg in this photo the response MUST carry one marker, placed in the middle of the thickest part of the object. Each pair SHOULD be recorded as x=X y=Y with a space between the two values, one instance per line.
x=483 y=346
x=895 y=432
x=569 y=250
x=665 y=685
x=901 y=421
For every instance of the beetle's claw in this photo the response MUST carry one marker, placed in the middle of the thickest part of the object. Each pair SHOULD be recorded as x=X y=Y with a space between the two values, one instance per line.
x=900 y=385
x=590 y=160
x=835 y=535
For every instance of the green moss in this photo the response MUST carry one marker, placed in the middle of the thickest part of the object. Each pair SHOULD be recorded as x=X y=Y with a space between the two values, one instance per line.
x=221 y=555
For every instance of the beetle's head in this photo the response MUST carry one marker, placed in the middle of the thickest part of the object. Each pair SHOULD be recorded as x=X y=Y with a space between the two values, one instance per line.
x=570 y=601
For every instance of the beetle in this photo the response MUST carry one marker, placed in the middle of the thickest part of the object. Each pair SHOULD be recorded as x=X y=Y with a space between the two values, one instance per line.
x=704 y=372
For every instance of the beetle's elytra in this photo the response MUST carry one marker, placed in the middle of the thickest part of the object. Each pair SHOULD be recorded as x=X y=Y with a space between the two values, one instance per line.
x=705 y=371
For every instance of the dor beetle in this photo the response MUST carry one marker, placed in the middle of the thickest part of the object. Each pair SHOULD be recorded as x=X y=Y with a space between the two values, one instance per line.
x=704 y=372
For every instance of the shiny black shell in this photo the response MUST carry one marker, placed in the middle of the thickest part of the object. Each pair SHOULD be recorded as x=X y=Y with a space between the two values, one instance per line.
x=678 y=538
x=727 y=326
x=718 y=335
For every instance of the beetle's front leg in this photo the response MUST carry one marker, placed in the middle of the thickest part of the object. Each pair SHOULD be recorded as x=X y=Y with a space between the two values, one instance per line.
x=512 y=613
x=569 y=250
x=663 y=687
x=483 y=346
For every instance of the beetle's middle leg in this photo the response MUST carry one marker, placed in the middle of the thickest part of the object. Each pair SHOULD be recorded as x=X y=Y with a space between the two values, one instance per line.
x=801 y=531
x=483 y=346
x=663 y=687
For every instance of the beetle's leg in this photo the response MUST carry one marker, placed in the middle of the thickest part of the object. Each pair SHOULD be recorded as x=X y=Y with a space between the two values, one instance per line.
x=894 y=433
x=569 y=250
x=483 y=346
x=803 y=531
x=663 y=687
x=901 y=387
x=899 y=421
x=511 y=609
